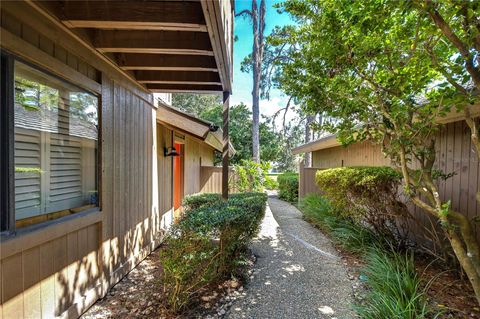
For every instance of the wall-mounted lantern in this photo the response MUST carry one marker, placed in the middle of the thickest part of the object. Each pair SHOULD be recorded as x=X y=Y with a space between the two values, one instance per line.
x=170 y=151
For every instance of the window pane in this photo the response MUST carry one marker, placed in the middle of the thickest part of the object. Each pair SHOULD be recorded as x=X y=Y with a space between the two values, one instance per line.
x=56 y=133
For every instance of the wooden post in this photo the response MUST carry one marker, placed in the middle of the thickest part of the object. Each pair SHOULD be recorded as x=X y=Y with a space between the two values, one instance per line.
x=226 y=143
x=301 y=179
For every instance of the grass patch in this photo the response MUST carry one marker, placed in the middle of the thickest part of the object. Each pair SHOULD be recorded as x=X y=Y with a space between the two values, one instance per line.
x=395 y=290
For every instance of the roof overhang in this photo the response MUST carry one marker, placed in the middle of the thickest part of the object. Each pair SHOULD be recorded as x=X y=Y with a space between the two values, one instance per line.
x=192 y=126
x=325 y=142
x=331 y=140
x=163 y=45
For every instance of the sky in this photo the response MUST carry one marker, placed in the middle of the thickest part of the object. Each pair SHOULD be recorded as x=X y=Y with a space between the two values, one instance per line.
x=242 y=82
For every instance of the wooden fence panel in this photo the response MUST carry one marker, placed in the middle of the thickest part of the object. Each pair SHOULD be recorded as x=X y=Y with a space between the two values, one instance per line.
x=211 y=179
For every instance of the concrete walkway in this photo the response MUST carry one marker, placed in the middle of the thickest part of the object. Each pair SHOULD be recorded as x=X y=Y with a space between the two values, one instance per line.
x=298 y=273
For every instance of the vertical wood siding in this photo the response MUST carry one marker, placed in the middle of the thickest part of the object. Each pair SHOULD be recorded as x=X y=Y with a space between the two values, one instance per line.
x=211 y=179
x=60 y=269
x=455 y=154
x=197 y=154
x=164 y=177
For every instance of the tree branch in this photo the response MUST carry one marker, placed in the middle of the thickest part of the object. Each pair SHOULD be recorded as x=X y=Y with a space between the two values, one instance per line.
x=455 y=40
x=245 y=13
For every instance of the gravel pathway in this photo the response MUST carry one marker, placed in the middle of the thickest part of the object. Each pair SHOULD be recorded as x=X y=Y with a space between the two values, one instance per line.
x=298 y=273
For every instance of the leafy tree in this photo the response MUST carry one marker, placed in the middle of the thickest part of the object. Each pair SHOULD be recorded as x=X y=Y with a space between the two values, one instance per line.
x=241 y=133
x=195 y=104
x=34 y=96
x=362 y=64
x=456 y=55
x=209 y=108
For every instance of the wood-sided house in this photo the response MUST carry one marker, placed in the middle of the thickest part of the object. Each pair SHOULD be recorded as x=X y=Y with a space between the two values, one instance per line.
x=88 y=176
x=455 y=154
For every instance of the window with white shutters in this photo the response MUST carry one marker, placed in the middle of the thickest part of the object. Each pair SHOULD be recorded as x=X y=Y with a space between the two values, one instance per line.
x=56 y=133
x=28 y=158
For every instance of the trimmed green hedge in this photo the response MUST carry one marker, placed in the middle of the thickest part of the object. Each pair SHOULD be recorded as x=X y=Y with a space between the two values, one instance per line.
x=288 y=187
x=208 y=243
x=197 y=201
x=366 y=194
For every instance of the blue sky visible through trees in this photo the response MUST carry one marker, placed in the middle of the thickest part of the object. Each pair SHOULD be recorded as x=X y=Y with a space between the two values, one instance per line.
x=242 y=83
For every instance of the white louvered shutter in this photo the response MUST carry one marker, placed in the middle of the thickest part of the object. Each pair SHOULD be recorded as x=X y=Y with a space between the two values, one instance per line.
x=28 y=154
x=65 y=173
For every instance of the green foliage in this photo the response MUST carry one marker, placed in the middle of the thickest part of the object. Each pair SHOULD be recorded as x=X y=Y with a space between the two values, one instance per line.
x=249 y=176
x=208 y=243
x=394 y=287
x=211 y=217
x=386 y=71
x=288 y=187
x=270 y=183
x=197 y=104
x=196 y=201
x=367 y=194
x=187 y=266
x=343 y=230
x=209 y=108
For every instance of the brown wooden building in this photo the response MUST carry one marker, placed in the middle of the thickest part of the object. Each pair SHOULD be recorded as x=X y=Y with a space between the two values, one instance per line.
x=455 y=154
x=87 y=178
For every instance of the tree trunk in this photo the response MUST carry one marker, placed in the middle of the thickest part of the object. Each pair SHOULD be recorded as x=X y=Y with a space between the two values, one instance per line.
x=258 y=21
x=465 y=246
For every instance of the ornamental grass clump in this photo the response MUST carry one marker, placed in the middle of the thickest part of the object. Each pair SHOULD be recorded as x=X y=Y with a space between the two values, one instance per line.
x=208 y=243
x=368 y=195
x=394 y=288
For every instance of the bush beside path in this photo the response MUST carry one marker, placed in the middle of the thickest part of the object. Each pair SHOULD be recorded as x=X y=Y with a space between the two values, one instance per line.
x=298 y=273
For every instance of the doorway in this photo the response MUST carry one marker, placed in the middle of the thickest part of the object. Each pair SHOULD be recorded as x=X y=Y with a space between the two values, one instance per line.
x=178 y=176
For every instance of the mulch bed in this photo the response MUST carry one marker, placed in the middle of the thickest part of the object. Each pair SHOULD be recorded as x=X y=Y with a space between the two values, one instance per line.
x=447 y=292
x=140 y=295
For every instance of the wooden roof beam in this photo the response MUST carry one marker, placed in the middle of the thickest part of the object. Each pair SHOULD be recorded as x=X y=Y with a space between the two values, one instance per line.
x=168 y=62
x=184 y=88
x=159 y=77
x=147 y=15
x=158 y=42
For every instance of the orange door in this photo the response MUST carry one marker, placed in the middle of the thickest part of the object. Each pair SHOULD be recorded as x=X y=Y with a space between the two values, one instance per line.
x=178 y=177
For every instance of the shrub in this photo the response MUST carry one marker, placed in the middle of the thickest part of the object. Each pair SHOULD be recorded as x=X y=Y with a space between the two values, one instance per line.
x=208 y=243
x=249 y=176
x=394 y=287
x=196 y=201
x=186 y=266
x=288 y=187
x=343 y=230
x=367 y=194
x=270 y=183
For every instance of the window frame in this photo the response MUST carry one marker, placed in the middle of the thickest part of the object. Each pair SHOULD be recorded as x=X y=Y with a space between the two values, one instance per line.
x=7 y=147
x=7 y=140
